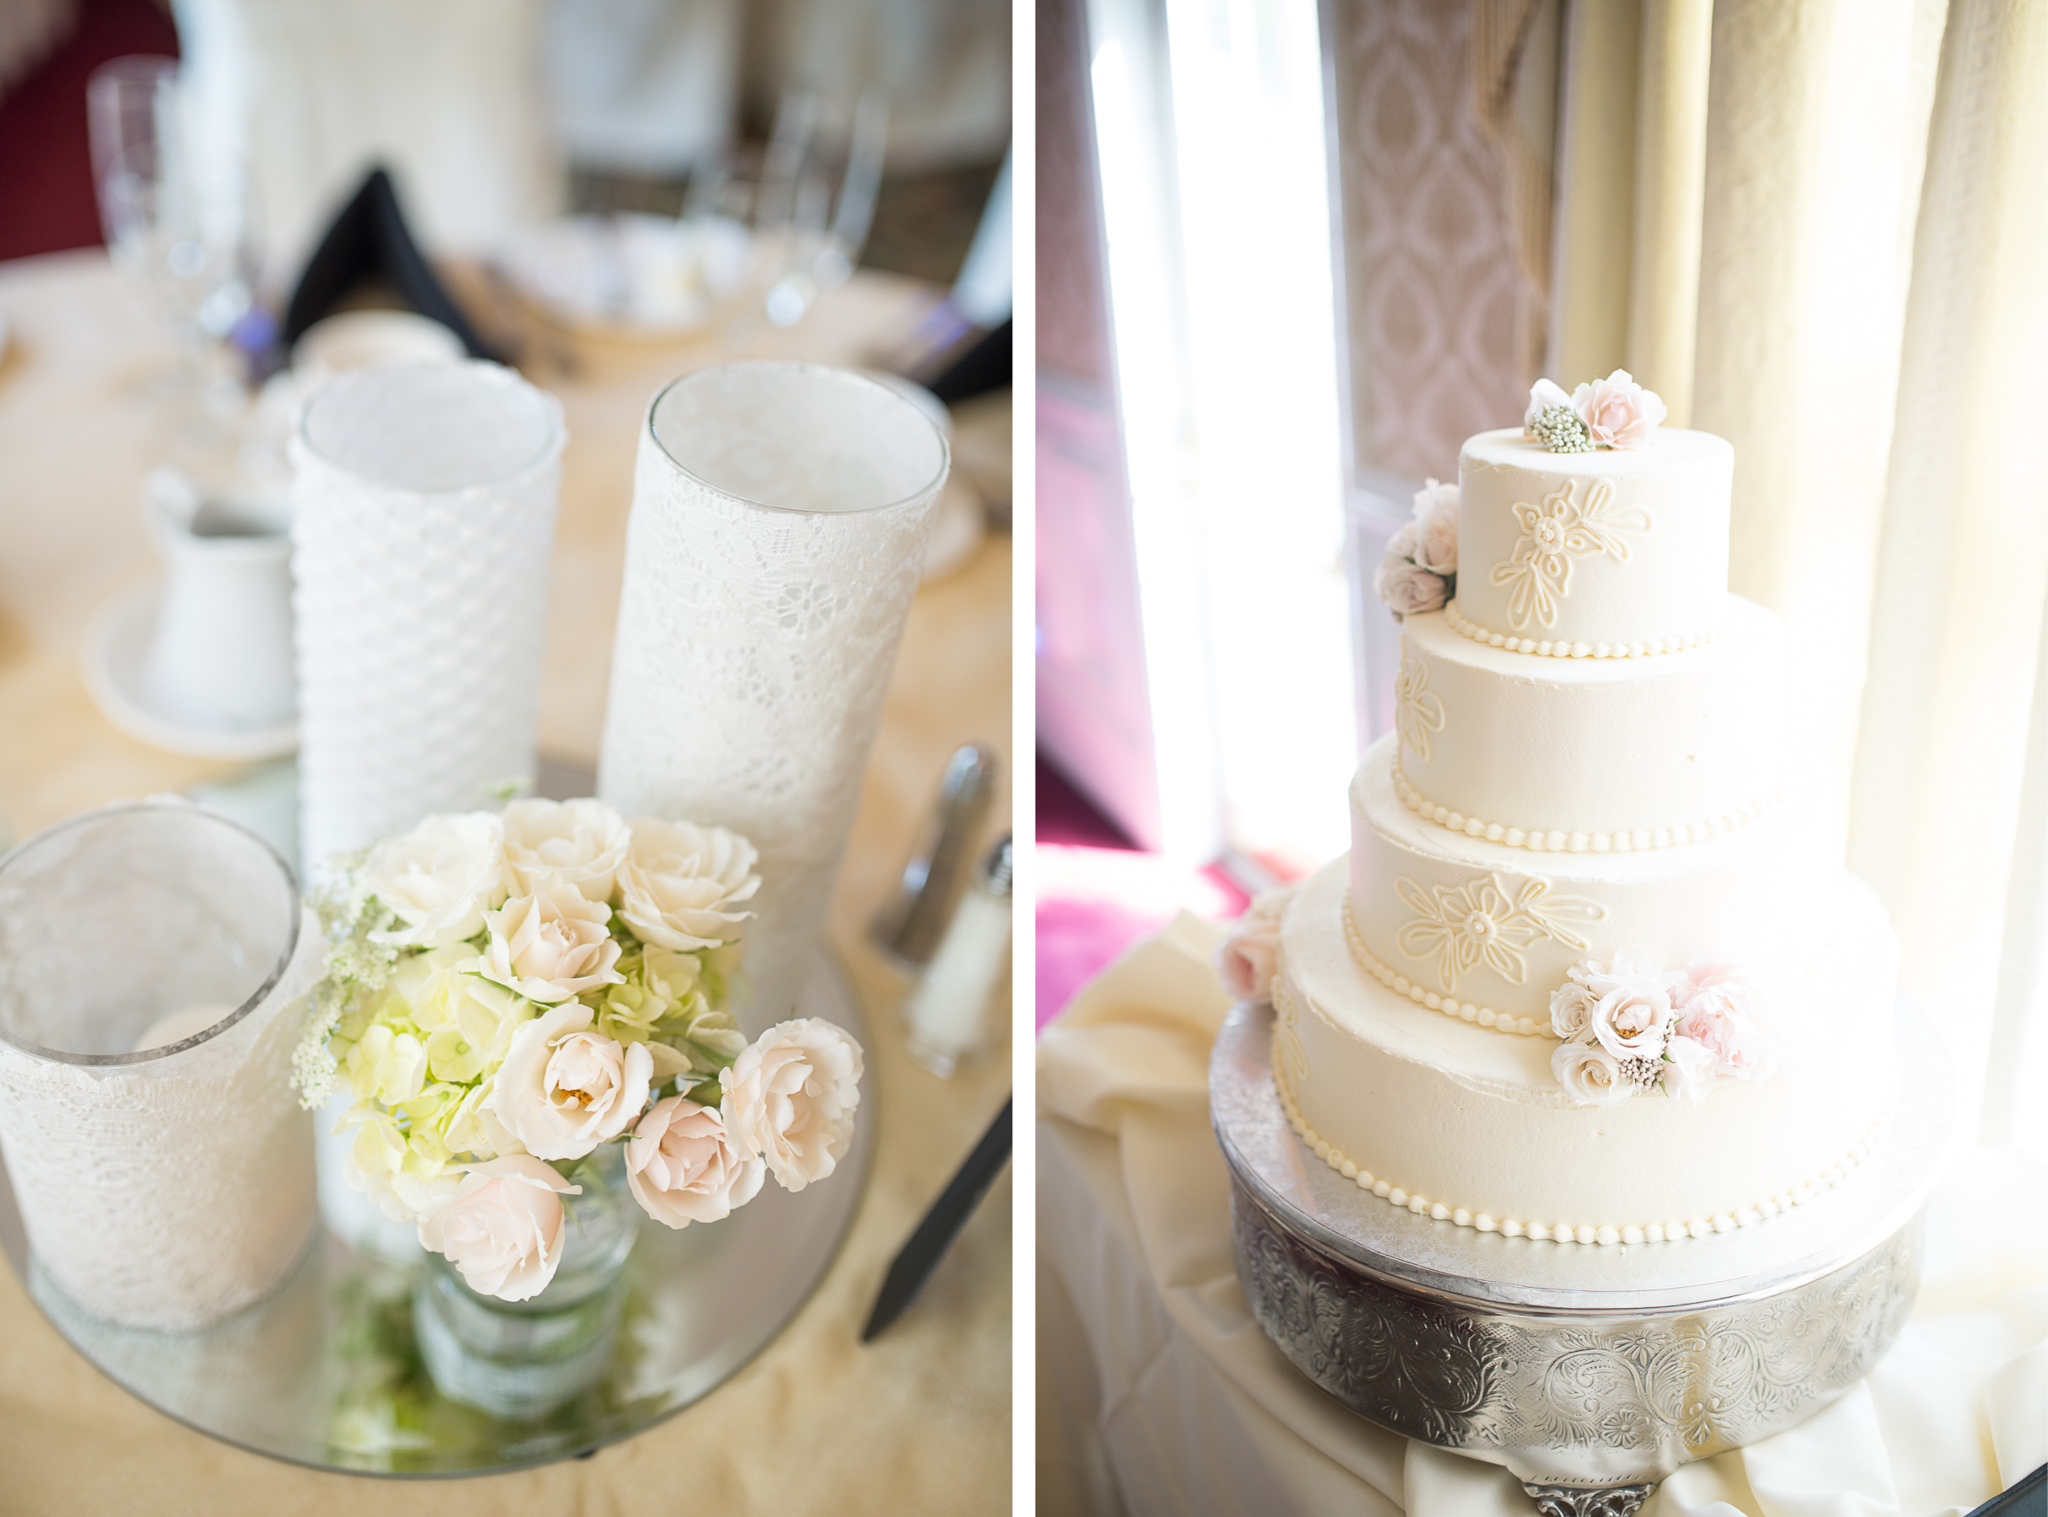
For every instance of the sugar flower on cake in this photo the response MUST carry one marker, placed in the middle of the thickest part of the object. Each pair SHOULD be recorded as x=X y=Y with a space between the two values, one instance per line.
x=1681 y=1031
x=1618 y=412
x=503 y=998
x=1614 y=412
x=1419 y=571
x=1249 y=955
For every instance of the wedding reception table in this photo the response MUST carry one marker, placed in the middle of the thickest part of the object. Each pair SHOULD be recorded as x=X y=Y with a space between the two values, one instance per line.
x=917 y=1421
x=1158 y=1394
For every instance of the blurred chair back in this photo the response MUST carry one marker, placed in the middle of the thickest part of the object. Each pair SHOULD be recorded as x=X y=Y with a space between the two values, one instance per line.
x=312 y=93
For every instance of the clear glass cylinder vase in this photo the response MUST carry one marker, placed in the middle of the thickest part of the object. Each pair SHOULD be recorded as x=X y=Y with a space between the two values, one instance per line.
x=522 y=1359
x=152 y=959
x=780 y=514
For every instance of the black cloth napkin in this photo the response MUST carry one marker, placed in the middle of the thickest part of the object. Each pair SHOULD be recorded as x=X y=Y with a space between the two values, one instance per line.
x=369 y=240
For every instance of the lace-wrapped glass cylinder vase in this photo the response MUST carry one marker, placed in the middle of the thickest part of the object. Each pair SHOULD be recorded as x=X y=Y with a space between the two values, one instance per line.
x=525 y=1358
x=424 y=499
x=780 y=512
x=153 y=962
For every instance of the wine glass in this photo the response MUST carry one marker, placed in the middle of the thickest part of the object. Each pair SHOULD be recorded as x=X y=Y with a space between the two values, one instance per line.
x=175 y=216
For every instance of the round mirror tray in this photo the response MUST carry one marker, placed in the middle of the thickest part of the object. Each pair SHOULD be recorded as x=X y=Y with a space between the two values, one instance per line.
x=326 y=1371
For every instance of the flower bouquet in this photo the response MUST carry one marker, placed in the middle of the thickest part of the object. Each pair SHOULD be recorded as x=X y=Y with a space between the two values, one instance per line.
x=512 y=1000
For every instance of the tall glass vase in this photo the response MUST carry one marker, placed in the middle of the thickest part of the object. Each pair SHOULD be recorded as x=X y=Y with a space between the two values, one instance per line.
x=780 y=512
x=152 y=959
x=520 y=1359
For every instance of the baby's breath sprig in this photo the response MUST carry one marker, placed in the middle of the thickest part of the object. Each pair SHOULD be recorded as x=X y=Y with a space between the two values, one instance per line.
x=1561 y=431
x=355 y=966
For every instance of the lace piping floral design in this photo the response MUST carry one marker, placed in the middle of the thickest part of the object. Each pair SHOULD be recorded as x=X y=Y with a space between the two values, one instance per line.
x=1417 y=711
x=1555 y=533
x=1400 y=984
x=1487 y=921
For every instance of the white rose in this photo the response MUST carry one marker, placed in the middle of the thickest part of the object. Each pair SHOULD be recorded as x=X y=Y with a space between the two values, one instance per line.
x=1571 y=1010
x=1408 y=589
x=790 y=1098
x=1542 y=396
x=1247 y=959
x=1402 y=543
x=680 y=882
x=1589 y=1074
x=1436 y=528
x=1688 y=1068
x=502 y=1227
x=684 y=1167
x=550 y=946
x=1631 y=1016
x=580 y=843
x=439 y=879
x=563 y=1090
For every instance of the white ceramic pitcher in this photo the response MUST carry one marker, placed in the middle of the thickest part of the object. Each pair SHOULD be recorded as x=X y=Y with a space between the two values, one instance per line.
x=222 y=653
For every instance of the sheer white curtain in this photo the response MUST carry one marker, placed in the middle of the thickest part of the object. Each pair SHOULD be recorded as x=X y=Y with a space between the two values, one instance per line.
x=1833 y=226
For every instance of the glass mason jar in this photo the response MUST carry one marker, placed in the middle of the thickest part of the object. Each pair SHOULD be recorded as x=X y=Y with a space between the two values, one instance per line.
x=520 y=1359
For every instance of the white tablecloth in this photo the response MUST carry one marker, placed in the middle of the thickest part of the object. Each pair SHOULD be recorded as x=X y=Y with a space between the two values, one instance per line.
x=1158 y=1394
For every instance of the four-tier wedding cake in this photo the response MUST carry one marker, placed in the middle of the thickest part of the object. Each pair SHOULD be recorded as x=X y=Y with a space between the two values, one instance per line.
x=1585 y=974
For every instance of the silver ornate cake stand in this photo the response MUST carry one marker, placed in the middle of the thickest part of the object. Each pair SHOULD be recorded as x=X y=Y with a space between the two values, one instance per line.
x=326 y=1371
x=1590 y=1373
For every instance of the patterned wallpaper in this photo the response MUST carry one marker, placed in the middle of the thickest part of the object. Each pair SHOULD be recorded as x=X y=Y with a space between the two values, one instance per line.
x=1445 y=329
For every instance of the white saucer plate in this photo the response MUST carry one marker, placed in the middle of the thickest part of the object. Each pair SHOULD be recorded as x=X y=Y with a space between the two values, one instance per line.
x=116 y=646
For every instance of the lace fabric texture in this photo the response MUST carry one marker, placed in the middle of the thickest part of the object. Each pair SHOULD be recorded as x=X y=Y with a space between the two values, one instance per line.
x=753 y=651
x=420 y=598
x=173 y=1193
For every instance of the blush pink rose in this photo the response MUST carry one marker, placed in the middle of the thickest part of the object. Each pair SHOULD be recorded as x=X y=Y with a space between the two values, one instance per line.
x=1742 y=1049
x=1247 y=959
x=790 y=1099
x=684 y=1167
x=1618 y=412
x=502 y=1227
x=1407 y=588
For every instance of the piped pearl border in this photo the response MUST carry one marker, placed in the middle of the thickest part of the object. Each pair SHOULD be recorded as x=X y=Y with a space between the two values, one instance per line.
x=1538 y=841
x=1564 y=1232
x=1465 y=1011
x=1558 y=648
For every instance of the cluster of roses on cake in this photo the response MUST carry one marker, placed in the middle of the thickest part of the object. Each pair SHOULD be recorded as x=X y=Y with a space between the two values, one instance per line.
x=1630 y=1026
x=1419 y=571
x=505 y=994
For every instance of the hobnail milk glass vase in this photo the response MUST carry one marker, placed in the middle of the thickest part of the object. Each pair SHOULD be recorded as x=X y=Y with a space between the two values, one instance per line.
x=521 y=1359
x=780 y=513
x=153 y=961
x=423 y=522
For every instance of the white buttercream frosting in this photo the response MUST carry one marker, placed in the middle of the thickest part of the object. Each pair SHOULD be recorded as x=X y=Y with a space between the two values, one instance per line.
x=1603 y=747
x=1636 y=550
x=1475 y=1121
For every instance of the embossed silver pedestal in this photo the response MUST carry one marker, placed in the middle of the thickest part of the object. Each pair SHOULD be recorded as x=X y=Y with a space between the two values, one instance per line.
x=1589 y=1372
